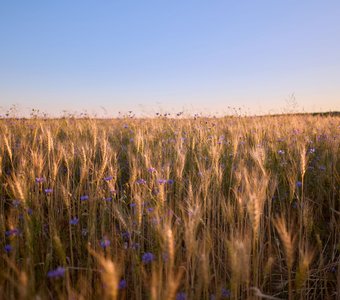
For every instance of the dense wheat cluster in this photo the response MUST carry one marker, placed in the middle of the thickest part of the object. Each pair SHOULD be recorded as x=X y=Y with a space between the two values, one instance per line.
x=201 y=208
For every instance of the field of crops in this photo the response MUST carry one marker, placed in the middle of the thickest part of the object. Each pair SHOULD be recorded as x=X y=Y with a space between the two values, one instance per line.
x=197 y=208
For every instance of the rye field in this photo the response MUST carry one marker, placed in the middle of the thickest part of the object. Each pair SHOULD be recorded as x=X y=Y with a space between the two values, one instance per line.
x=161 y=208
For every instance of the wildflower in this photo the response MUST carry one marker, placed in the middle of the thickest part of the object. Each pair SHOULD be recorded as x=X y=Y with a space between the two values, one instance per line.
x=170 y=181
x=133 y=204
x=311 y=150
x=225 y=293
x=181 y=296
x=104 y=243
x=16 y=203
x=141 y=181
x=108 y=178
x=39 y=180
x=122 y=284
x=11 y=232
x=125 y=235
x=148 y=257
x=161 y=181
x=58 y=272
x=151 y=170
x=84 y=198
x=281 y=152
x=109 y=199
x=299 y=184
x=150 y=209
x=29 y=211
x=74 y=221
x=135 y=246
x=8 y=248
x=48 y=191
x=322 y=168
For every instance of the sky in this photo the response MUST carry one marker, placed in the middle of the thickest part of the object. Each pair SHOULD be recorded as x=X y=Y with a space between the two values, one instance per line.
x=149 y=56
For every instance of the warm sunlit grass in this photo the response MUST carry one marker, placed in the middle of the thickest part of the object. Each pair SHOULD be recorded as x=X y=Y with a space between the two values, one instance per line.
x=170 y=208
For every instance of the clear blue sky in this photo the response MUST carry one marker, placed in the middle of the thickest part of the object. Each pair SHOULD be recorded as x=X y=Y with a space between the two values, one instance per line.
x=146 y=55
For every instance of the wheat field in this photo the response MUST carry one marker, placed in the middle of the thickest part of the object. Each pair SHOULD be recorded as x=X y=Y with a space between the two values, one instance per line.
x=162 y=208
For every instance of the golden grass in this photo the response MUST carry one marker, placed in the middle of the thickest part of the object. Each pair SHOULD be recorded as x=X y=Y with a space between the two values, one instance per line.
x=204 y=208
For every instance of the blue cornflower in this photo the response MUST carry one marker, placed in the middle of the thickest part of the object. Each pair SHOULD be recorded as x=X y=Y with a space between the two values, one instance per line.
x=150 y=209
x=8 y=248
x=11 y=232
x=108 y=178
x=225 y=293
x=84 y=198
x=58 y=272
x=74 y=221
x=39 y=180
x=151 y=170
x=141 y=181
x=48 y=191
x=311 y=150
x=122 y=284
x=148 y=257
x=181 y=296
x=104 y=243
x=125 y=235
x=16 y=203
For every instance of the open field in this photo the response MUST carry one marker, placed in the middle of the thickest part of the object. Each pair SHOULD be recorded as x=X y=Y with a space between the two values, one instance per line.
x=229 y=208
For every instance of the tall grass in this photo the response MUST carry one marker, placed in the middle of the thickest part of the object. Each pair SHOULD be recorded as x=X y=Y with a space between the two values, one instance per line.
x=201 y=208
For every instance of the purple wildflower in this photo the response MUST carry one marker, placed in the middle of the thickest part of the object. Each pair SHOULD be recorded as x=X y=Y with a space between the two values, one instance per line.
x=8 y=248
x=39 y=180
x=141 y=181
x=16 y=203
x=311 y=150
x=84 y=198
x=148 y=257
x=122 y=284
x=181 y=296
x=104 y=243
x=161 y=181
x=151 y=170
x=108 y=178
x=108 y=199
x=150 y=209
x=11 y=232
x=170 y=181
x=58 y=272
x=29 y=211
x=133 y=204
x=299 y=184
x=281 y=152
x=74 y=221
x=48 y=191
x=225 y=293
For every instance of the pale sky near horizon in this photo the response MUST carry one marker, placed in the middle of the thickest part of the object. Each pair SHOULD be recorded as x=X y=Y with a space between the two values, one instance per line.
x=146 y=56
